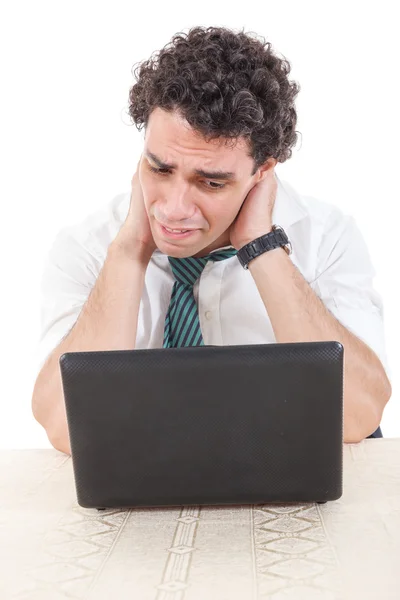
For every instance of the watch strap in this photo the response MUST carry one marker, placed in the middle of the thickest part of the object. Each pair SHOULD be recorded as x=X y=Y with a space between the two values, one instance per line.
x=274 y=239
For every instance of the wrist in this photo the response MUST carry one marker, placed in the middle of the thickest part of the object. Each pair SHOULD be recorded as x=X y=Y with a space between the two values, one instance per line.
x=255 y=236
x=128 y=248
x=264 y=244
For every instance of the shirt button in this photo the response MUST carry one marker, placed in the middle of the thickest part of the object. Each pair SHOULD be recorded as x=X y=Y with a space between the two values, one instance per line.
x=208 y=315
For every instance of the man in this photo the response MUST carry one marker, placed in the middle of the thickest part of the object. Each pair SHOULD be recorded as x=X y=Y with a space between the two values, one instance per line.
x=159 y=267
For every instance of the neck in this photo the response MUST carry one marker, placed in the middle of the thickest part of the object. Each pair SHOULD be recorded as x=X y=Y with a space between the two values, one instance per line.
x=223 y=240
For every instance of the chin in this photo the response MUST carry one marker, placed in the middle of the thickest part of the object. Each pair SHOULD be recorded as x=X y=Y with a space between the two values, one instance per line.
x=179 y=249
x=176 y=251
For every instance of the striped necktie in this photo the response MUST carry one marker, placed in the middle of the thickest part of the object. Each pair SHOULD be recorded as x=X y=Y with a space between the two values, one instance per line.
x=182 y=325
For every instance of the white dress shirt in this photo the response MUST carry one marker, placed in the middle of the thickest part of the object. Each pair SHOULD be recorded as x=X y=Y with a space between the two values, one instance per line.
x=327 y=248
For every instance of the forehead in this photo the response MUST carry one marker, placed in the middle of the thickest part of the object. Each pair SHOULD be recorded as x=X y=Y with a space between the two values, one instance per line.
x=172 y=139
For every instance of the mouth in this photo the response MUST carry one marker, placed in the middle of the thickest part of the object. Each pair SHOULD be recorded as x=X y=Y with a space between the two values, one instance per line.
x=176 y=234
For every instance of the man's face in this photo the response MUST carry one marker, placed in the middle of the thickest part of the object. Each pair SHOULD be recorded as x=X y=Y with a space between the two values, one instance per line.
x=180 y=198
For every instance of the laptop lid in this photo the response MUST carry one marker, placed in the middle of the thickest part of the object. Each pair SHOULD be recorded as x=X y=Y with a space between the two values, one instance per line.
x=240 y=424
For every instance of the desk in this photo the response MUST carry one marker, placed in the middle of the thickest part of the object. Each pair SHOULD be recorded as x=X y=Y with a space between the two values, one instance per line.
x=52 y=549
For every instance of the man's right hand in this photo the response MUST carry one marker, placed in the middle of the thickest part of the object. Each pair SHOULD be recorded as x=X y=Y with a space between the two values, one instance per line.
x=135 y=234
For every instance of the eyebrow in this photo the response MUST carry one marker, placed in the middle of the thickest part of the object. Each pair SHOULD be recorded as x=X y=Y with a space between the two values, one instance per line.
x=225 y=175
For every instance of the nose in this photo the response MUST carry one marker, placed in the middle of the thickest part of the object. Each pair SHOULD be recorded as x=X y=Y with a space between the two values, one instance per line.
x=178 y=206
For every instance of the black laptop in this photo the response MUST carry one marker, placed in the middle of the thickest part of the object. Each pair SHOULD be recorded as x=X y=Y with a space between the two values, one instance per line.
x=215 y=425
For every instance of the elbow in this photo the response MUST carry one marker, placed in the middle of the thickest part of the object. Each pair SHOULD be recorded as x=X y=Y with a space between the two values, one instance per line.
x=52 y=419
x=353 y=436
x=35 y=405
x=366 y=420
x=59 y=441
x=364 y=416
x=376 y=405
x=57 y=434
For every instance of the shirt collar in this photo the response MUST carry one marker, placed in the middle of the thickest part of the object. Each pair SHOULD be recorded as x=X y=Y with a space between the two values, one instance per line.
x=289 y=207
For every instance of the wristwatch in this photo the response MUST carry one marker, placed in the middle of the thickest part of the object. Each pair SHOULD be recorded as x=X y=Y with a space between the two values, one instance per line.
x=274 y=239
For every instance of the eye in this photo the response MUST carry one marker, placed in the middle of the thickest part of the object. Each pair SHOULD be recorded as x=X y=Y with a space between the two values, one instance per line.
x=219 y=186
x=161 y=172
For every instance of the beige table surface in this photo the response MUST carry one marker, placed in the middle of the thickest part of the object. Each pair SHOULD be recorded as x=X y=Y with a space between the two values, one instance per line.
x=51 y=548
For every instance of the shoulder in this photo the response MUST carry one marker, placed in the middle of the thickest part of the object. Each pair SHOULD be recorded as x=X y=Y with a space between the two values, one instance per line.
x=321 y=212
x=294 y=206
x=326 y=220
x=339 y=238
x=95 y=231
x=322 y=232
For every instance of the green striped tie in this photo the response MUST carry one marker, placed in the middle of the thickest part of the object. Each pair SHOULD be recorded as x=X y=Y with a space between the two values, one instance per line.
x=182 y=325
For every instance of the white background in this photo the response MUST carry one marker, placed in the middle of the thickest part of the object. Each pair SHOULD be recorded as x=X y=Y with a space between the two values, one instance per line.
x=68 y=146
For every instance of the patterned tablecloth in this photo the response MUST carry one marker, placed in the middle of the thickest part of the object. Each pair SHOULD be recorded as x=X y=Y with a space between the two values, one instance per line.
x=52 y=549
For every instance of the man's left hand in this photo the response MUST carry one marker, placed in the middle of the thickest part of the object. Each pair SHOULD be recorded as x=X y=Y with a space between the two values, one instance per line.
x=254 y=218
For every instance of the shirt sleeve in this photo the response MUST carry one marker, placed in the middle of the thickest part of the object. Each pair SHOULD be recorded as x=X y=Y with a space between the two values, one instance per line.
x=70 y=272
x=344 y=282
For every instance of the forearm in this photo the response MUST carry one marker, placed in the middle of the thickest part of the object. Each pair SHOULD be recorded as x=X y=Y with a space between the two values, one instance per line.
x=107 y=321
x=297 y=314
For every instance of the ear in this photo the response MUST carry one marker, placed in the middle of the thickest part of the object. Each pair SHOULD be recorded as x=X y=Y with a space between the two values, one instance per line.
x=265 y=169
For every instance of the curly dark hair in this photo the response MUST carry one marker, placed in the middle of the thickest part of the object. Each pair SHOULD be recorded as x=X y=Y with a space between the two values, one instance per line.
x=226 y=85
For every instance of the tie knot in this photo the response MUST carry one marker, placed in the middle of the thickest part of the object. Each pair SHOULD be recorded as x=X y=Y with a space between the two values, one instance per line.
x=188 y=270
